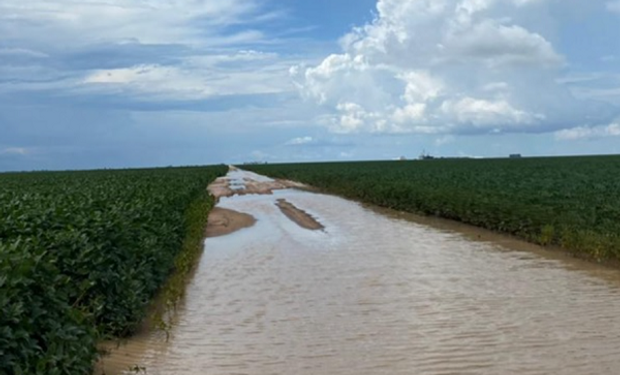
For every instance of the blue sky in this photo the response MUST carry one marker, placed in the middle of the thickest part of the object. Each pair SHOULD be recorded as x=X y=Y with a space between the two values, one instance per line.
x=110 y=83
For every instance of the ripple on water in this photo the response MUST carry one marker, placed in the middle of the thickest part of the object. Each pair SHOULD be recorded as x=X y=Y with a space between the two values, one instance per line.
x=374 y=294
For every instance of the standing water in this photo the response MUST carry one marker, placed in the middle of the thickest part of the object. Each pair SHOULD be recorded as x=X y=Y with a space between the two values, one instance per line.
x=372 y=293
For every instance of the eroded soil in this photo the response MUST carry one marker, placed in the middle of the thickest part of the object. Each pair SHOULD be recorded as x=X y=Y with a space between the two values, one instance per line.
x=300 y=217
x=237 y=183
x=225 y=187
x=223 y=222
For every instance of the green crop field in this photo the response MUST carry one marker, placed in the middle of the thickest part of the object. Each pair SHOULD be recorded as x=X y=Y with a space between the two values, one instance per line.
x=83 y=253
x=569 y=202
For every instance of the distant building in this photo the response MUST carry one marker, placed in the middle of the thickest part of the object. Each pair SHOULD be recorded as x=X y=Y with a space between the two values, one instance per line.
x=515 y=156
x=425 y=156
x=402 y=158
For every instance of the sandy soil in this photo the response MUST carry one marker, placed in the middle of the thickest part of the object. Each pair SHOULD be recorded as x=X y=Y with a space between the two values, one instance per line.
x=300 y=217
x=223 y=221
x=221 y=187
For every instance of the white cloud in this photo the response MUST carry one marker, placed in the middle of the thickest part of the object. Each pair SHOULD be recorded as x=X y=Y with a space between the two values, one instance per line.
x=21 y=151
x=442 y=67
x=604 y=87
x=154 y=79
x=72 y=22
x=198 y=77
x=22 y=52
x=613 y=6
x=207 y=41
x=299 y=141
x=494 y=44
x=239 y=56
x=192 y=77
x=485 y=113
x=587 y=132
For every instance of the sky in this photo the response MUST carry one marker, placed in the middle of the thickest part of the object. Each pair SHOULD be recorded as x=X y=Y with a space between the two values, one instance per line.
x=114 y=84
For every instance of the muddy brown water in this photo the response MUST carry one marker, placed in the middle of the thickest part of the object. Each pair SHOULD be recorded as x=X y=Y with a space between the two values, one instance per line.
x=378 y=292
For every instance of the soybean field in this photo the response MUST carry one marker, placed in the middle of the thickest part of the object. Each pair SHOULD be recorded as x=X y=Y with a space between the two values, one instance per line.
x=83 y=253
x=572 y=202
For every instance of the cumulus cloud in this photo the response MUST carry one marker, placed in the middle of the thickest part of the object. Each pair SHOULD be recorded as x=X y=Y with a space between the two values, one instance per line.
x=444 y=67
x=586 y=132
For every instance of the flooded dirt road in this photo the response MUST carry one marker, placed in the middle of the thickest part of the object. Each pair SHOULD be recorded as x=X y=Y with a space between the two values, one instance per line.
x=374 y=292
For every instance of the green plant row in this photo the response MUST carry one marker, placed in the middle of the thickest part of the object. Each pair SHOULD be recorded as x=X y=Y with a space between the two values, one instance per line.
x=572 y=202
x=83 y=253
x=197 y=217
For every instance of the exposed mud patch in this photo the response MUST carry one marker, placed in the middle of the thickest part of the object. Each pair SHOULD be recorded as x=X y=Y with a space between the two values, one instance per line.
x=221 y=188
x=223 y=222
x=300 y=217
x=228 y=187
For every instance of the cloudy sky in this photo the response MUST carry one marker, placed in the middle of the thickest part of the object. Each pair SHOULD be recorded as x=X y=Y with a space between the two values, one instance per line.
x=111 y=83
